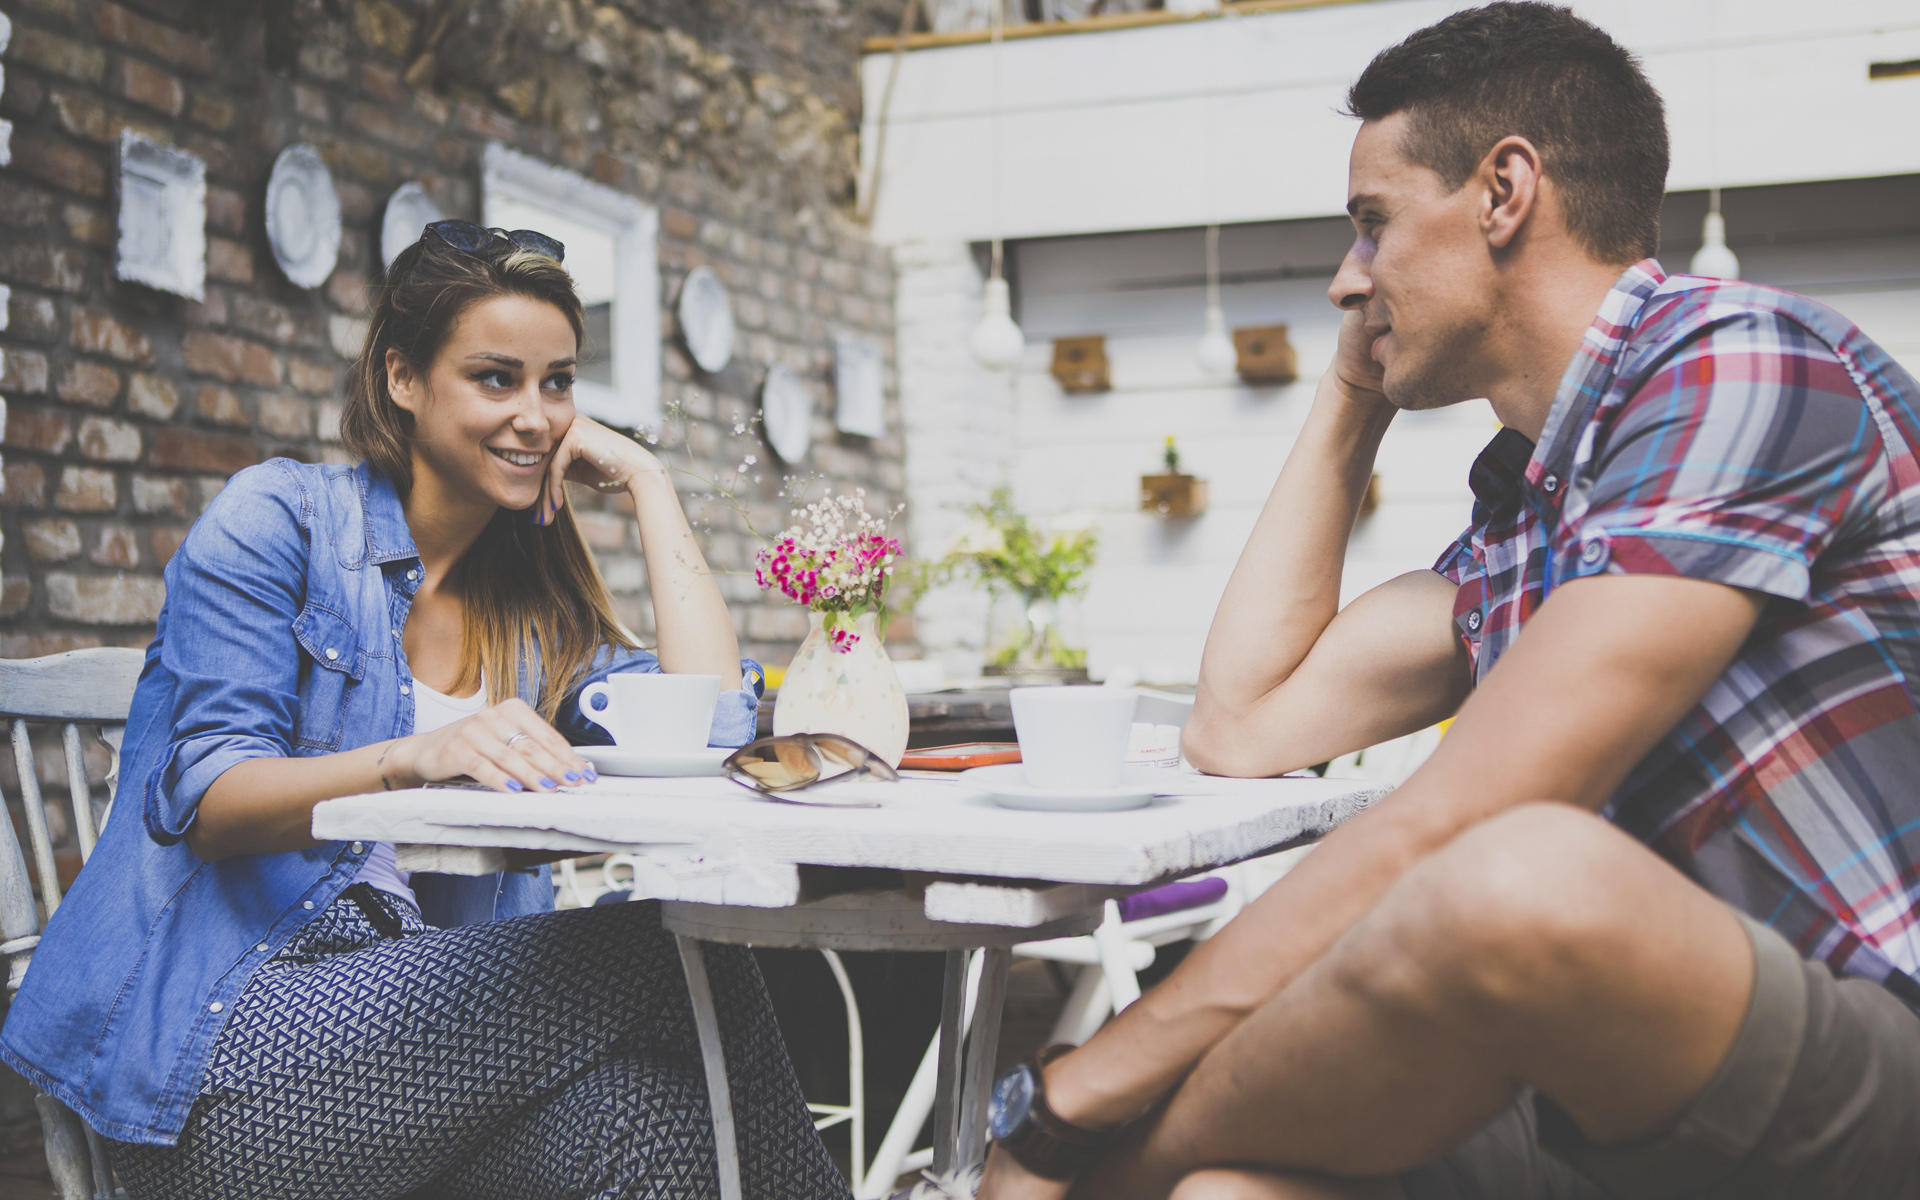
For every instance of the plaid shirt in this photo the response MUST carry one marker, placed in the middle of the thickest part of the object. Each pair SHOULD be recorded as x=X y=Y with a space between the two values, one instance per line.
x=1751 y=437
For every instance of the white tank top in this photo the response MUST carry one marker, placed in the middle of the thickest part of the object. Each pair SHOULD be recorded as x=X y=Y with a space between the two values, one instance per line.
x=431 y=710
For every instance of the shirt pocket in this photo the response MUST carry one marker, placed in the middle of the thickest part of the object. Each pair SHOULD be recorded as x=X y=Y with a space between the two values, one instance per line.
x=333 y=669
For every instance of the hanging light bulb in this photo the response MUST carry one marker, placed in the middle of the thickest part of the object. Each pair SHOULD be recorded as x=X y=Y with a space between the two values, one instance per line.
x=997 y=342
x=1713 y=259
x=1215 y=352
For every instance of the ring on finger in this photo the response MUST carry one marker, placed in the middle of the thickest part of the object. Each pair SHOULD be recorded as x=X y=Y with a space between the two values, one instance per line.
x=520 y=736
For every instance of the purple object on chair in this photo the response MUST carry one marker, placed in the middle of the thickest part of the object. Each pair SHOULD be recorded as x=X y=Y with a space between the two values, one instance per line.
x=1172 y=897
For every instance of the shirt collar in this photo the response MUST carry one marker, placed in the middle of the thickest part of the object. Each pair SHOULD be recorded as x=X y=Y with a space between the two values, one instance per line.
x=1591 y=372
x=388 y=538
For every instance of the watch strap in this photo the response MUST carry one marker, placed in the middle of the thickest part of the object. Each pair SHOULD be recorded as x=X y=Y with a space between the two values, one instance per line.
x=1047 y=1144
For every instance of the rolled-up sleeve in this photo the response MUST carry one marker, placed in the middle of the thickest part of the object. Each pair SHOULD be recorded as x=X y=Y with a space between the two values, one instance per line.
x=735 y=715
x=1739 y=461
x=233 y=591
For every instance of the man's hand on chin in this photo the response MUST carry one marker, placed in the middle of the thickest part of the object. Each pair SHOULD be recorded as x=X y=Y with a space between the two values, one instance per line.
x=1007 y=1180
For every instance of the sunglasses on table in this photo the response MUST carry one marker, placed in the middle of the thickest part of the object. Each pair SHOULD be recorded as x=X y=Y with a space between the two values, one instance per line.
x=778 y=766
x=465 y=235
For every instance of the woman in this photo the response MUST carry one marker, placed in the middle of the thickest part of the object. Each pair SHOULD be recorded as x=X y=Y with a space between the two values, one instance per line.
x=246 y=1012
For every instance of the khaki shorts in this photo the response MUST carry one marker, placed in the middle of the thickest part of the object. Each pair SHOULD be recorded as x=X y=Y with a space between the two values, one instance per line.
x=1819 y=1098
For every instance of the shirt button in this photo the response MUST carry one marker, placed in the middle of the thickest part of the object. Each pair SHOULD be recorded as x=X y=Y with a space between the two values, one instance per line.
x=216 y=1006
x=332 y=654
x=1550 y=484
x=1593 y=552
x=306 y=904
x=359 y=847
x=405 y=690
x=396 y=635
x=413 y=574
x=261 y=948
x=1473 y=620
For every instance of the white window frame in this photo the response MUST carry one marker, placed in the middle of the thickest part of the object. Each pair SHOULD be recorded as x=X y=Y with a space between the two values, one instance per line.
x=633 y=402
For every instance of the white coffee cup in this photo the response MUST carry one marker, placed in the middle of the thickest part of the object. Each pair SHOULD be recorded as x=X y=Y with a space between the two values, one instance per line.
x=648 y=711
x=1073 y=738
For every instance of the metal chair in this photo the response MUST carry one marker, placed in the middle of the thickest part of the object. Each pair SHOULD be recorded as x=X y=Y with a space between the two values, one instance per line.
x=584 y=893
x=82 y=687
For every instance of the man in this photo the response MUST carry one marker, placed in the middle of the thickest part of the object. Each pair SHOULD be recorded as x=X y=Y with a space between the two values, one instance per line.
x=1644 y=923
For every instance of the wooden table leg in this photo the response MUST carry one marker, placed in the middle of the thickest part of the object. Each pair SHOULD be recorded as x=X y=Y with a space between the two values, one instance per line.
x=714 y=1058
x=983 y=1046
x=948 y=1073
x=966 y=1060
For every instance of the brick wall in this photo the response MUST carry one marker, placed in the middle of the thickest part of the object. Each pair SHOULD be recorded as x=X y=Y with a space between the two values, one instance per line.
x=128 y=408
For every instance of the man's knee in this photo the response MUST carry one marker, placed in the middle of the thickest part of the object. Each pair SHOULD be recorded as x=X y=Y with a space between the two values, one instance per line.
x=1214 y=1184
x=1512 y=911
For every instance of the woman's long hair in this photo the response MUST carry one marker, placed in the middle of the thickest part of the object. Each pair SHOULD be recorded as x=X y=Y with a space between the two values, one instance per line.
x=524 y=587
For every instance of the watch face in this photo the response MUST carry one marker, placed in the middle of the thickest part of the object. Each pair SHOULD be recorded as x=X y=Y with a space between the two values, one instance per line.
x=1012 y=1098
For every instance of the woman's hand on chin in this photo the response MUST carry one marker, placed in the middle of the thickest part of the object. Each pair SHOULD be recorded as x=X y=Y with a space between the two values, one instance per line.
x=592 y=454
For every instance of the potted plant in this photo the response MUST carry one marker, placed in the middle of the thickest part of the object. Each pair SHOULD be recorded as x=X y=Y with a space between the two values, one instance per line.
x=1012 y=556
x=1174 y=493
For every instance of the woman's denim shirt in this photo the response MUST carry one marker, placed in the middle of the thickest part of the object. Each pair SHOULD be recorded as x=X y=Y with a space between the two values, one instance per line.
x=280 y=637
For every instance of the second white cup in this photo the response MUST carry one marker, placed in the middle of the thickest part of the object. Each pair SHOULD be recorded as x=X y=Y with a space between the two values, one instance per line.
x=648 y=711
x=1073 y=738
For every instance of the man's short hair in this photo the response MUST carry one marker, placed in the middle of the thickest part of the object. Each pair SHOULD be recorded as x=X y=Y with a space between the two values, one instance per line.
x=1539 y=72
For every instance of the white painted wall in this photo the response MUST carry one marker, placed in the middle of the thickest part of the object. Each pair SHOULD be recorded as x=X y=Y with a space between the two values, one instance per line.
x=1236 y=118
x=959 y=431
x=1159 y=580
x=1233 y=120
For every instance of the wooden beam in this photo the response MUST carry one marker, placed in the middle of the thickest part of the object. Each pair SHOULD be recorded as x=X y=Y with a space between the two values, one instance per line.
x=1101 y=24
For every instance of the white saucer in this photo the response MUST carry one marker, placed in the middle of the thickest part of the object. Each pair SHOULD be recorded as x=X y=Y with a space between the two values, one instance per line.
x=615 y=760
x=1006 y=785
x=303 y=216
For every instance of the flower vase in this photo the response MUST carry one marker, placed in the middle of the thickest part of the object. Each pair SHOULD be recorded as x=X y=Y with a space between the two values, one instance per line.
x=853 y=692
x=1036 y=652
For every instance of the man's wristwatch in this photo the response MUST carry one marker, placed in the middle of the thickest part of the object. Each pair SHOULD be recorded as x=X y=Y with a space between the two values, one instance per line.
x=1038 y=1138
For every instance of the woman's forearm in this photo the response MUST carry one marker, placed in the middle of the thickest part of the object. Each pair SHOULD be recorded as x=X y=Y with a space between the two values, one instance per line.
x=691 y=623
x=265 y=805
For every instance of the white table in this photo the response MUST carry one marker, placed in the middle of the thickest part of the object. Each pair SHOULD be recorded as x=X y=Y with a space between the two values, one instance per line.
x=731 y=867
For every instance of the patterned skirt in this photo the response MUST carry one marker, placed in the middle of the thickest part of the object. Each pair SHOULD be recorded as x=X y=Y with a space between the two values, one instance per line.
x=547 y=1056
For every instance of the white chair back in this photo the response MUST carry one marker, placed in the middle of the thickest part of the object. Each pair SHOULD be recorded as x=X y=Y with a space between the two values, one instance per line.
x=83 y=687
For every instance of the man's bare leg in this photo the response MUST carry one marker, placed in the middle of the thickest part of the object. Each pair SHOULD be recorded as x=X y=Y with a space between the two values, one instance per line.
x=1542 y=947
x=1235 y=1184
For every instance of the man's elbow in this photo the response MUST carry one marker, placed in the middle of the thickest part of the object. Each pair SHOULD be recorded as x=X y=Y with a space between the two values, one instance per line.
x=1215 y=746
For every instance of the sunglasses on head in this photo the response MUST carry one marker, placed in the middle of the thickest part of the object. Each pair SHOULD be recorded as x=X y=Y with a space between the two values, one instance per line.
x=776 y=766
x=465 y=235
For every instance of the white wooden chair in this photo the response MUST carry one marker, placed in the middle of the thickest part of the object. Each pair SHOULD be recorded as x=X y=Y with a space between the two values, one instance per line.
x=83 y=687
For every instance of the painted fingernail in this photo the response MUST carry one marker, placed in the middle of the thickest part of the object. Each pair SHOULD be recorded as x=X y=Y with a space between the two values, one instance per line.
x=593 y=776
x=573 y=777
x=514 y=785
x=547 y=783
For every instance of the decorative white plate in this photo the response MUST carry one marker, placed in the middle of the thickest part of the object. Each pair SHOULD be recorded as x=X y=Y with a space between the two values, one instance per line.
x=303 y=216
x=786 y=412
x=1006 y=785
x=615 y=760
x=409 y=211
x=706 y=319
x=163 y=217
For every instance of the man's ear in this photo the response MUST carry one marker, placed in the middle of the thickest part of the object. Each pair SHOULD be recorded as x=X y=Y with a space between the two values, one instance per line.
x=402 y=383
x=1512 y=179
